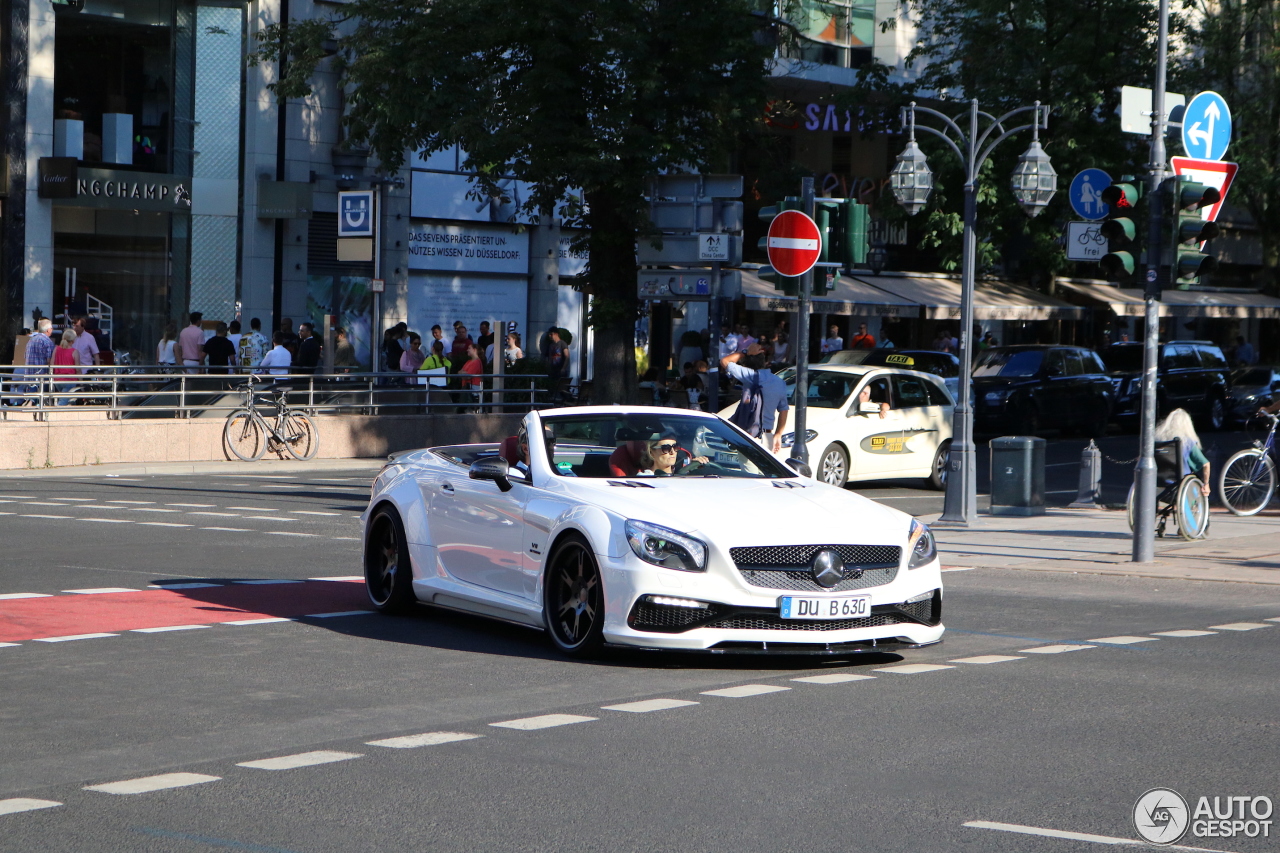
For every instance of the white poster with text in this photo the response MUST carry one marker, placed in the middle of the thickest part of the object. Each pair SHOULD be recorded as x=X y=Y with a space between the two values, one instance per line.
x=468 y=248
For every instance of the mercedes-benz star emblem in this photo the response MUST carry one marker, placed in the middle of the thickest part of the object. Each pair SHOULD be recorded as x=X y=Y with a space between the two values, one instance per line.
x=828 y=568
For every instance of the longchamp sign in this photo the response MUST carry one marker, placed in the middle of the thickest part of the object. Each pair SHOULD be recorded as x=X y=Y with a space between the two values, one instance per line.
x=121 y=190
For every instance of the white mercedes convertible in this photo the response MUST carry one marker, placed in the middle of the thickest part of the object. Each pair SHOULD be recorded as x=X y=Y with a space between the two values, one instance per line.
x=651 y=528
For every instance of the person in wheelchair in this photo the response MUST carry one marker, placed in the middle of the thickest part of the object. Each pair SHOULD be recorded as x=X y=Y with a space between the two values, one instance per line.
x=1176 y=426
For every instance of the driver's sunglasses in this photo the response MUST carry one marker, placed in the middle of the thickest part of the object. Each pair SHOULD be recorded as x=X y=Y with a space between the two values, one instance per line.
x=665 y=448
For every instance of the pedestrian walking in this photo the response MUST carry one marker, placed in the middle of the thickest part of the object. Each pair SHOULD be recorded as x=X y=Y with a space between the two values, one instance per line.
x=191 y=343
x=557 y=355
x=762 y=411
x=253 y=346
x=219 y=350
x=344 y=353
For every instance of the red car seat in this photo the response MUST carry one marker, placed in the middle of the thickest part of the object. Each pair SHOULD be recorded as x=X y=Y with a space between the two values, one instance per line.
x=625 y=461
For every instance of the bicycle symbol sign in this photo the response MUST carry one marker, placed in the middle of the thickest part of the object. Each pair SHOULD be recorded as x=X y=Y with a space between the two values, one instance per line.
x=1085 y=241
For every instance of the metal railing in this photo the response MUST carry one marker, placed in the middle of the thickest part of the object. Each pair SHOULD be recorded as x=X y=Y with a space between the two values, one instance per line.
x=123 y=391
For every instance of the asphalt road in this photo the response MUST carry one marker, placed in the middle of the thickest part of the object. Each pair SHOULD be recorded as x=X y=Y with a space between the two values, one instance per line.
x=961 y=755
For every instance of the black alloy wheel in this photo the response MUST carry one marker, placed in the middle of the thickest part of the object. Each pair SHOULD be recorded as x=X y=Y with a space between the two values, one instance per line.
x=1216 y=413
x=574 y=599
x=388 y=574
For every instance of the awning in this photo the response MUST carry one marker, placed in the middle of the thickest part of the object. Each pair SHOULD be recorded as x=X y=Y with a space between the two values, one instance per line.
x=1128 y=302
x=992 y=300
x=850 y=296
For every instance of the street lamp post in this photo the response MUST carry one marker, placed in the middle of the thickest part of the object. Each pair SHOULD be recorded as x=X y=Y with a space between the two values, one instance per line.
x=1034 y=183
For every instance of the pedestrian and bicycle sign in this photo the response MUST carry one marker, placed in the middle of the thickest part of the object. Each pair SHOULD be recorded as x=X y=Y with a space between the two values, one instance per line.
x=794 y=243
x=1086 y=194
x=1085 y=241
x=1206 y=127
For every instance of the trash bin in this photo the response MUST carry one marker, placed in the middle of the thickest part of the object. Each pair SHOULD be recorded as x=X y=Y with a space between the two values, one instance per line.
x=1017 y=475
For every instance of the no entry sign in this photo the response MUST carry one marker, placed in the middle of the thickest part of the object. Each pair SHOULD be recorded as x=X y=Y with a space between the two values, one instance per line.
x=794 y=243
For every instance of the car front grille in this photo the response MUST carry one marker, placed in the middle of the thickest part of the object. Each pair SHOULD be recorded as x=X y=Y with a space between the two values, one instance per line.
x=773 y=622
x=787 y=566
x=673 y=619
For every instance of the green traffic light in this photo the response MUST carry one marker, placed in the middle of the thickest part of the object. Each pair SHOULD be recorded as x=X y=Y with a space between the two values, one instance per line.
x=1117 y=263
x=1121 y=228
x=1193 y=229
x=1192 y=195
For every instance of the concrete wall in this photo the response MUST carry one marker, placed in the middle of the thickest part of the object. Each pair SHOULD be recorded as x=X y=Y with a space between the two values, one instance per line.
x=58 y=443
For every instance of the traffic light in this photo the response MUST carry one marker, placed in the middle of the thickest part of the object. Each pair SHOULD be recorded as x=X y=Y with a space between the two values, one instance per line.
x=1189 y=229
x=843 y=224
x=1121 y=229
x=786 y=284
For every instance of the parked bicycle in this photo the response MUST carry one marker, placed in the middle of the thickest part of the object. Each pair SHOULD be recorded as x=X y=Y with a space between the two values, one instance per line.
x=1247 y=482
x=249 y=435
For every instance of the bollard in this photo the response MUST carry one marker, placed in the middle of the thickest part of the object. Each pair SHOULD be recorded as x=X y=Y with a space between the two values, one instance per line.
x=1090 y=478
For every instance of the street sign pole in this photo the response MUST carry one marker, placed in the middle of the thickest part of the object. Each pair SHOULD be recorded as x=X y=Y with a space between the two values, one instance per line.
x=713 y=316
x=800 y=449
x=1144 y=476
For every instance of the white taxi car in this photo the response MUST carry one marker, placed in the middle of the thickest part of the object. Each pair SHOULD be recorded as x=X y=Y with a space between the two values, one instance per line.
x=899 y=428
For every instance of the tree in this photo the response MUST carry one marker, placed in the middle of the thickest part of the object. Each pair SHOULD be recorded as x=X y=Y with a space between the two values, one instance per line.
x=577 y=94
x=1236 y=52
x=1073 y=56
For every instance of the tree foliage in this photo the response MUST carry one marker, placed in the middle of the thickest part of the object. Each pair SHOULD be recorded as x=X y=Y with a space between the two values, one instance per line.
x=1235 y=51
x=577 y=94
x=1073 y=56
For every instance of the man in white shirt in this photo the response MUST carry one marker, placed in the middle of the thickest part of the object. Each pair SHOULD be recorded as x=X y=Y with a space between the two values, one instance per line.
x=86 y=347
x=278 y=361
x=833 y=342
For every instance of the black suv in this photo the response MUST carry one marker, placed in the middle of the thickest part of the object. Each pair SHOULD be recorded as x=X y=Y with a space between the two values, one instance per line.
x=1024 y=389
x=1192 y=375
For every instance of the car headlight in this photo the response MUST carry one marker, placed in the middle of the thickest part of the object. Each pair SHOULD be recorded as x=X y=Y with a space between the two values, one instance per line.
x=923 y=547
x=665 y=547
x=789 y=438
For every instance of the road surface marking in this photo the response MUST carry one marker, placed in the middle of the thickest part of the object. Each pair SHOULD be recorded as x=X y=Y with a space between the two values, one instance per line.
x=1122 y=640
x=70 y=637
x=302 y=759
x=7 y=645
x=168 y=628
x=1274 y=619
x=744 y=690
x=43 y=503
x=184 y=585
x=32 y=515
x=256 y=508
x=1185 y=633
x=960 y=569
x=1055 y=650
x=345 y=538
x=99 y=591
x=23 y=804
x=646 y=705
x=312 y=512
x=153 y=509
x=217 y=514
x=147 y=784
x=109 y=520
x=545 y=721
x=338 y=613
x=139 y=503
x=228 y=529
x=263 y=621
x=266 y=581
x=833 y=678
x=161 y=524
x=988 y=659
x=428 y=739
x=288 y=533
x=195 y=506
x=913 y=668
x=270 y=518
x=1239 y=626
x=1077 y=836
x=13 y=595
x=340 y=578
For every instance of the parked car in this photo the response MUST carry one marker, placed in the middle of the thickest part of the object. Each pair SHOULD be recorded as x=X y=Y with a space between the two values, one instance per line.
x=580 y=533
x=1252 y=388
x=941 y=364
x=1191 y=375
x=1024 y=389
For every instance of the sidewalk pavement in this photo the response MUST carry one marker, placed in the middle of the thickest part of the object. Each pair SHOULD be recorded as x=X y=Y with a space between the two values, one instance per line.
x=1090 y=541
x=263 y=466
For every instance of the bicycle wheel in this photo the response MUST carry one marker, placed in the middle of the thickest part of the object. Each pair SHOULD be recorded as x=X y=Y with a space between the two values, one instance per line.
x=1130 y=510
x=1192 y=509
x=301 y=438
x=1247 y=482
x=244 y=435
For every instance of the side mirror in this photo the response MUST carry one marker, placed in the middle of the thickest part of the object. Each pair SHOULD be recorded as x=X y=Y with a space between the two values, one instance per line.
x=493 y=468
x=801 y=468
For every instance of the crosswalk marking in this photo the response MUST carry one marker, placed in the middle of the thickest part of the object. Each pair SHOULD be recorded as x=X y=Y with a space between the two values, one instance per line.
x=833 y=678
x=147 y=784
x=68 y=638
x=302 y=759
x=645 y=706
x=99 y=590
x=1184 y=633
x=428 y=739
x=1123 y=640
x=168 y=628
x=982 y=659
x=1055 y=649
x=744 y=690
x=913 y=668
x=1239 y=626
x=13 y=595
x=544 y=721
x=25 y=804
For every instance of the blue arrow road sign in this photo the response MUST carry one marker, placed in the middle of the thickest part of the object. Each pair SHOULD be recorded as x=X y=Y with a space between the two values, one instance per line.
x=1206 y=127
x=1086 y=193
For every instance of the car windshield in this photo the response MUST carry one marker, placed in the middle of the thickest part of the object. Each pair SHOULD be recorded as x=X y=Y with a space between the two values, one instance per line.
x=1122 y=359
x=1252 y=376
x=994 y=362
x=828 y=389
x=641 y=444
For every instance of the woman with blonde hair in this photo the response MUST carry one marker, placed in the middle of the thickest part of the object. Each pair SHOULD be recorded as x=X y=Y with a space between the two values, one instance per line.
x=165 y=355
x=1177 y=425
x=64 y=361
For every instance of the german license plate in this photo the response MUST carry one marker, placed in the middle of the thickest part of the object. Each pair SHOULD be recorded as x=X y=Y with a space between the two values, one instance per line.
x=842 y=607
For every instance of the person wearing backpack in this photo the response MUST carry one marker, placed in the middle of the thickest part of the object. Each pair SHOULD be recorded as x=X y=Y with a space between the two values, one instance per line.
x=762 y=411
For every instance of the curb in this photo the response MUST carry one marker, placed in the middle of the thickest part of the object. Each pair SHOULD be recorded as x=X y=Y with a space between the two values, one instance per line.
x=173 y=468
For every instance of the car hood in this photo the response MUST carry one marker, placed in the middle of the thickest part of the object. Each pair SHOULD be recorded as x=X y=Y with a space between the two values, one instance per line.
x=730 y=512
